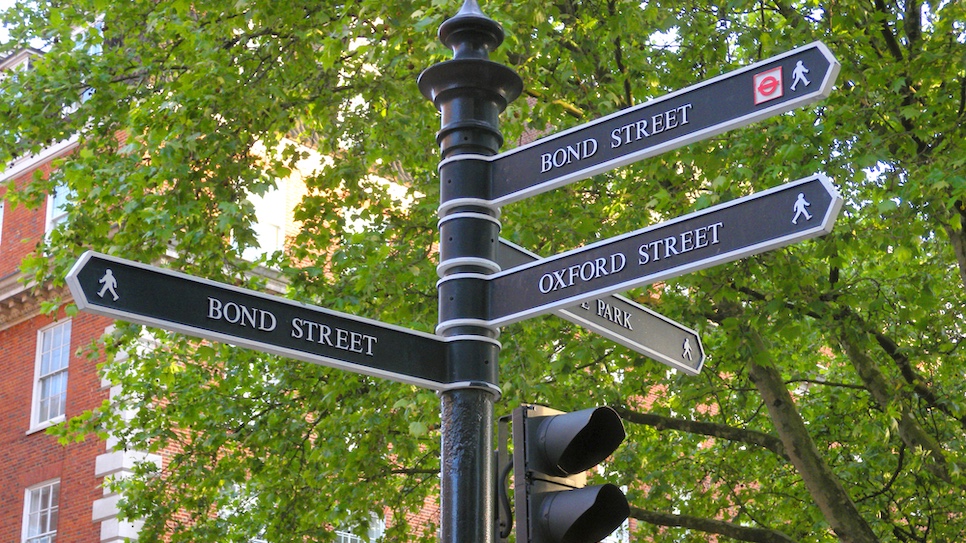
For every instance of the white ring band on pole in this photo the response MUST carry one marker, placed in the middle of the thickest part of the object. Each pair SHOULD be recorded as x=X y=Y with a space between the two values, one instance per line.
x=481 y=385
x=453 y=323
x=446 y=206
x=469 y=215
x=468 y=337
x=455 y=276
x=467 y=156
x=451 y=263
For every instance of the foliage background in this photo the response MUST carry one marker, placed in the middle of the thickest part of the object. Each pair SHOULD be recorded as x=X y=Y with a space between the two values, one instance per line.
x=832 y=403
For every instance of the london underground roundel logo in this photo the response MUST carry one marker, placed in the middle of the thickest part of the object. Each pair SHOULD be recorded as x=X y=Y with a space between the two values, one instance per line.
x=768 y=85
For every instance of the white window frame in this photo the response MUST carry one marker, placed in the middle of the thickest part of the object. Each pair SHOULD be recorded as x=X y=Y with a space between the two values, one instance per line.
x=270 y=218
x=52 y=509
x=377 y=527
x=342 y=536
x=2 y=202
x=55 y=214
x=36 y=423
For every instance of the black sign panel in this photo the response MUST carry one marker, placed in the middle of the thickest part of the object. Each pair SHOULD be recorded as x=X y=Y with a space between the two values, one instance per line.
x=142 y=294
x=625 y=322
x=767 y=88
x=754 y=224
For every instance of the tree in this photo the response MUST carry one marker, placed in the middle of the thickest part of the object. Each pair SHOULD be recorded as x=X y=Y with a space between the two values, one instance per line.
x=832 y=405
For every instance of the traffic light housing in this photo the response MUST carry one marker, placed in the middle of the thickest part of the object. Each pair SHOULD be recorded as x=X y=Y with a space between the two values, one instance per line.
x=552 y=452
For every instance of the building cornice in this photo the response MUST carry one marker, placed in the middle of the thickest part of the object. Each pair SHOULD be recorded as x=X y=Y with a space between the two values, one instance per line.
x=29 y=162
x=21 y=301
x=15 y=59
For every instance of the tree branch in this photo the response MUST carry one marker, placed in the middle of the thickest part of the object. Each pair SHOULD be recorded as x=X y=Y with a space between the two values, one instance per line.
x=902 y=361
x=719 y=527
x=910 y=431
x=619 y=58
x=913 y=378
x=568 y=108
x=789 y=13
x=730 y=433
x=891 y=43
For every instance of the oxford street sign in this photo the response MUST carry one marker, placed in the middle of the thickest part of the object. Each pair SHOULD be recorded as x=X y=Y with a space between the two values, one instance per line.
x=766 y=220
x=770 y=87
x=624 y=321
x=152 y=296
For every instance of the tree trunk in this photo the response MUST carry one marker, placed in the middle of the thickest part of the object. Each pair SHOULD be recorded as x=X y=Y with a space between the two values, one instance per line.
x=824 y=487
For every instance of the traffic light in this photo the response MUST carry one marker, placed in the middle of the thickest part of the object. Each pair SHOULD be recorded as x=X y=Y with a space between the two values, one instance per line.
x=552 y=452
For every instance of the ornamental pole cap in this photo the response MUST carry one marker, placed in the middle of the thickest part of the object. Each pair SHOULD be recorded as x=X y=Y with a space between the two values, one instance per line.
x=470 y=33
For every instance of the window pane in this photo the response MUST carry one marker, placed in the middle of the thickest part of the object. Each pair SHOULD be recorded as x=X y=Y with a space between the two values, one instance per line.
x=55 y=349
x=59 y=399
x=42 y=513
x=53 y=393
x=58 y=395
x=60 y=199
x=346 y=537
x=57 y=333
x=45 y=345
x=56 y=359
x=33 y=524
x=46 y=413
x=43 y=408
x=52 y=372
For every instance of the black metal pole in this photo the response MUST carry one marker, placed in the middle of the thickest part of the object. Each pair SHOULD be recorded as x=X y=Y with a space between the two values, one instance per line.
x=470 y=92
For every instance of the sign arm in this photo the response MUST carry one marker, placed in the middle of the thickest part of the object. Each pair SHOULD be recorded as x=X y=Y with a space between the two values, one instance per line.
x=131 y=291
x=764 y=89
x=766 y=220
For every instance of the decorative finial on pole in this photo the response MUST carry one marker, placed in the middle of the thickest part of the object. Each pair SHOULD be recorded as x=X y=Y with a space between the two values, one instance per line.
x=470 y=78
x=470 y=33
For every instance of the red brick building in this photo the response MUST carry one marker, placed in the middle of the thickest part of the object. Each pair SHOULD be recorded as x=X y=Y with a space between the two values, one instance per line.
x=48 y=491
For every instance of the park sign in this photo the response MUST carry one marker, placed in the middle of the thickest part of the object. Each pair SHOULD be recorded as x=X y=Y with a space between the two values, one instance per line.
x=746 y=226
x=624 y=321
x=152 y=296
x=770 y=87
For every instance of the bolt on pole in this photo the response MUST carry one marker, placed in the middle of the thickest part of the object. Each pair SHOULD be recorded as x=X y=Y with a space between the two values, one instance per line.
x=470 y=92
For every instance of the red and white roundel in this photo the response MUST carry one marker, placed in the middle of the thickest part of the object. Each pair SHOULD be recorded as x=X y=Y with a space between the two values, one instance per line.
x=768 y=85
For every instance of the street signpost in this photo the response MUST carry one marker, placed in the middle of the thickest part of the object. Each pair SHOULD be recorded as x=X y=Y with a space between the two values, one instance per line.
x=624 y=321
x=770 y=87
x=470 y=91
x=746 y=226
x=138 y=293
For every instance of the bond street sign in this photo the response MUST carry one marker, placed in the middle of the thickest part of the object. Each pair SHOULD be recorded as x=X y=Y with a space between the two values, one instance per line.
x=152 y=296
x=764 y=89
x=754 y=224
x=625 y=322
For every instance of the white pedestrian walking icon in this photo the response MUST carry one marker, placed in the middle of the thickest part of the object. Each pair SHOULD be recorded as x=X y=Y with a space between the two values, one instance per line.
x=687 y=349
x=798 y=75
x=800 y=205
x=110 y=283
